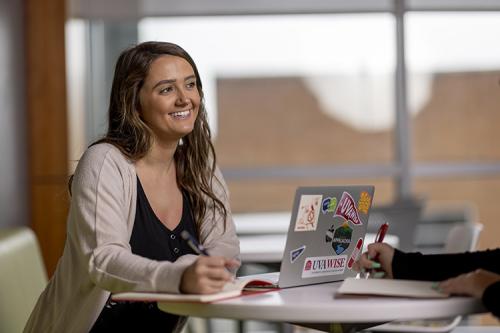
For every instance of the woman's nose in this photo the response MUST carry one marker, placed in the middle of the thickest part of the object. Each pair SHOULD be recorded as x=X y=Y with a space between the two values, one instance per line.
x=182 y=98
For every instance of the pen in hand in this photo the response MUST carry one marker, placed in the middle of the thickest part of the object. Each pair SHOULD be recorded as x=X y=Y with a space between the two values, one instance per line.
x=193 y=243
x=197 y=247
x=379 y=238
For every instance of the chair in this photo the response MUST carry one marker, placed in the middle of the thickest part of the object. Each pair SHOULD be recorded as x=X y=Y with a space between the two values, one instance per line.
x=463 y=237
x=440 y=226
x=22 y=277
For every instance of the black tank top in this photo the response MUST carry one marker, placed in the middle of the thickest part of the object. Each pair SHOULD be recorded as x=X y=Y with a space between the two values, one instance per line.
x=151 y=239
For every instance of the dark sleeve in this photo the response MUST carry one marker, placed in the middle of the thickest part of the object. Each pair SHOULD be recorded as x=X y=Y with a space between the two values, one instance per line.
x=438 y=267
x=491 y=299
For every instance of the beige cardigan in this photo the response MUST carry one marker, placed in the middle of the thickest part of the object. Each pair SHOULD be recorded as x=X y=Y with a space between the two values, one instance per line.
x=97 y=258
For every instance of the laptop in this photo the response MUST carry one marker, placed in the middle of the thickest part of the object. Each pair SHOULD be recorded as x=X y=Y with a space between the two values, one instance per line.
x=325 y=235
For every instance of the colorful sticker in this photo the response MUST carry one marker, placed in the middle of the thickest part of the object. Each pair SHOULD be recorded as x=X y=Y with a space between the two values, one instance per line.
x=295 y=254
x=342 y=238
x=347 y=209
x=307 y=216
x=323 y=266
x=329 y=234
x=328 y=205
x=365 y=200
x=355 y=253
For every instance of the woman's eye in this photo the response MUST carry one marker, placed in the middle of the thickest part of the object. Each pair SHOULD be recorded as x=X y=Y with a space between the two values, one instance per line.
x=191 y=84
x=166 y=90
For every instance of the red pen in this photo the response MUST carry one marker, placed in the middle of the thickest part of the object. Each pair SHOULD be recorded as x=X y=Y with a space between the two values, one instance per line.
x=380 y=237
x=381 y=233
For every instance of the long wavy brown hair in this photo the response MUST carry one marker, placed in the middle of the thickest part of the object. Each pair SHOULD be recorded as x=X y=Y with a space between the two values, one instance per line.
x=195 y=159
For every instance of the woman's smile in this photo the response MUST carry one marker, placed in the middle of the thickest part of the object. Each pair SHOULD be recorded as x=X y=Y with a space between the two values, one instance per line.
x=181 y=115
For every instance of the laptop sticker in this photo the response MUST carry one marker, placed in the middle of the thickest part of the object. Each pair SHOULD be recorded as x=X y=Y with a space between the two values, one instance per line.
x=364 y=202
x=322 y=266
x=295 y=254
x=307 y=216
x=342 y=238
x=329 y=234
x=328 y=205
x=355 y=253
x=347 y=209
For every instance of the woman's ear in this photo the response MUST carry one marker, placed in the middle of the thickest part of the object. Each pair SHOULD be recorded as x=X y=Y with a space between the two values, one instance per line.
x=138 y=106
x=138 y=99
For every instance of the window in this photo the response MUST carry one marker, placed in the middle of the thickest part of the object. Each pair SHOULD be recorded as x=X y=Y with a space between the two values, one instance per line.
x=454 y=66
x=293 y=93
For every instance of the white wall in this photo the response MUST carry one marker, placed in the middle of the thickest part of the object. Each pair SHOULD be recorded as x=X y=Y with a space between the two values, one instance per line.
x=13 y=170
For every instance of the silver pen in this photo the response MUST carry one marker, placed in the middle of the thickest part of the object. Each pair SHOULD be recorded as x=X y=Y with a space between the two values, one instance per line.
x=193 y=243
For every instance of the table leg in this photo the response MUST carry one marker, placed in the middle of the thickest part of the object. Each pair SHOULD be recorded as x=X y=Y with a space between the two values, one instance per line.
x=241 y=326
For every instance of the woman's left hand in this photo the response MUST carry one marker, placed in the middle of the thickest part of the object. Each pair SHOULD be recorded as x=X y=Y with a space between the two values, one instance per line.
x=472 y=284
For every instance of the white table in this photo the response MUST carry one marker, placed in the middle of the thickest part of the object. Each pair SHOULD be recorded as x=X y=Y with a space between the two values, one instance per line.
x=267 y=249
x=318 y=304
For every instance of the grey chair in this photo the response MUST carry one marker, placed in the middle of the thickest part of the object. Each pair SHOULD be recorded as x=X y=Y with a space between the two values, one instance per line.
x=439 y=223
x=463 y=237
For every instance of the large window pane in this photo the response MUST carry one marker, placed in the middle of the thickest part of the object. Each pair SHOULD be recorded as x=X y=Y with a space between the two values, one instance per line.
x=300 y=91
x=454 y=64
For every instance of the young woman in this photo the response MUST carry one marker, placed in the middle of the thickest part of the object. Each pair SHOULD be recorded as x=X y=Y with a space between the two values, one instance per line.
x=152 y=176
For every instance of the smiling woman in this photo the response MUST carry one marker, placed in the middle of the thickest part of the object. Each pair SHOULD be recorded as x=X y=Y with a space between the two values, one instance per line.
x=152 y=176
x=169 y=98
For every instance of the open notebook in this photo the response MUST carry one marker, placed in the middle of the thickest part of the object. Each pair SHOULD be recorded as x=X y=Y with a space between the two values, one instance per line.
x=237 y=287
x=390 y=287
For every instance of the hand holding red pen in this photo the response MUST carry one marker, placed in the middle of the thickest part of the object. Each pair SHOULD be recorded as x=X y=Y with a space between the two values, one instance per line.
x=378 y=257
x=375 y=270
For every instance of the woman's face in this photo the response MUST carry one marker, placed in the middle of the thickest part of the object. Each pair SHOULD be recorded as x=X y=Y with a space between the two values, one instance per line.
x=169 y=98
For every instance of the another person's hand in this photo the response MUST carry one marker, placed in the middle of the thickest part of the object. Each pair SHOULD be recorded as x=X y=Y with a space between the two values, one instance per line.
x=385 y=254
x=471 y=284
x=207 y=275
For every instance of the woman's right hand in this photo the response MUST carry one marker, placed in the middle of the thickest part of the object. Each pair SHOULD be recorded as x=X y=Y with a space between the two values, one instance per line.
x=207 y=275
x=385 y=254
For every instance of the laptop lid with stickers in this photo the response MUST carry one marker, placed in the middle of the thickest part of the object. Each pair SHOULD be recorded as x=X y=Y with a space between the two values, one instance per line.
x=326 y=234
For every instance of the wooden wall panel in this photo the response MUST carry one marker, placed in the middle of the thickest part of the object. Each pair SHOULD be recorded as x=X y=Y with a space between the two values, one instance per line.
x=47 y=125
